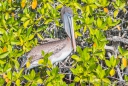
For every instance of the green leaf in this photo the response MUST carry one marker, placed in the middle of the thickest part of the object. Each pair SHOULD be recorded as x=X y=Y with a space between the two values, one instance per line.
x=48 y=21
x=26 y=23
x=48 y=72
x=17 y=65
x=29 y=31
x=114 y=63
x=72 y=84
x=120 y=49
x=77 y=79
x=99 y=22
x=85 y=28
x=39 y=36
x=34 y=84
x=2 y=62
x=55 y=71
x=6 y=15
x=109 y=20
x=85 y=55
x=2 y=31
x=75 y=57
x=108 y=63
x=59 y=6
x=77 y=5
x=125 y=53
x=106 y=80
x=24 y=19
x=43 y=53
x=31 y=37
x=79 y=50
x=27 y=77
x=3 y=55
x=15 y=42
x=9 y=83
x=32 y=74
x=49 y=84
x=78 y=33
x=20 y=73
x=2 y=81
x=126 y=77
x=9 y=74
x=102 y=74
x=41 y=61
x=7 y=67
x=39 y=81
x=18 y=82
x=116 y=13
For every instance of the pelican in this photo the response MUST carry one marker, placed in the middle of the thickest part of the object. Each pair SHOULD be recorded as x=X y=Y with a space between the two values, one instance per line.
x=61 y=48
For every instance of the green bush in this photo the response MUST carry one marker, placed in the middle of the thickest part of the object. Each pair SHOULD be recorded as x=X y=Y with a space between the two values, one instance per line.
x=23 y=23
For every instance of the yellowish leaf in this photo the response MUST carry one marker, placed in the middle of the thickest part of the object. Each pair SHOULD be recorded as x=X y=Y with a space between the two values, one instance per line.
x=4 y=76
x=7 y=80
x=116 y=13
x=94 y=44
x=112 y=72
x=85 y=28
x=34 y=4
x=6 y=15
x=59 y=6
x=40 y=61
x=26 y=23
x=39 y=81
x=13 y=14
x=4 y=49
x=9 y=1
x=124 y=62
x=18 y=82
x=28 y=64
x=106 y=10
x=2 y=62
x=23 y=2
x=39 y=36
x=21 y=41
x=77 y=34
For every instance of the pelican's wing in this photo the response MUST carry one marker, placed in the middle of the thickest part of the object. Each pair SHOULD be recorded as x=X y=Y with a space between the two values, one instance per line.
x=35 y=54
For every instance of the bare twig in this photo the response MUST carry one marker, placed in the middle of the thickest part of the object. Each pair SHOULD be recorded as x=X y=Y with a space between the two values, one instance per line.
x=118 y=39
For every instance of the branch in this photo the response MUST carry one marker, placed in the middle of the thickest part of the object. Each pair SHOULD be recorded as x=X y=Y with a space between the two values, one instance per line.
x=118 y=39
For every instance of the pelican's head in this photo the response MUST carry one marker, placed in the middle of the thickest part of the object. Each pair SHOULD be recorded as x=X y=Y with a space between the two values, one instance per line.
x=67 y=17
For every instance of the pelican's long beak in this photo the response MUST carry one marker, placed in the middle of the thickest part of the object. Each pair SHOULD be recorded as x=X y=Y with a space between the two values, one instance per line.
x=67 y=17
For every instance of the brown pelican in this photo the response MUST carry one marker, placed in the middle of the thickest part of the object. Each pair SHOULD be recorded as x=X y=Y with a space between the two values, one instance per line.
x=60 y=48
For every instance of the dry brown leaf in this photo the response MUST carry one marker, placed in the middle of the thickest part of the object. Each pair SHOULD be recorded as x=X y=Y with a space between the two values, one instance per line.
x=118 y=27
x=4 y=76
x=7 y=80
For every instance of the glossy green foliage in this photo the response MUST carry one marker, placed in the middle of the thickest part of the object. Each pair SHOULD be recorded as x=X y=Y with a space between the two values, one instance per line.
x=88 y=69
x=22 y=26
